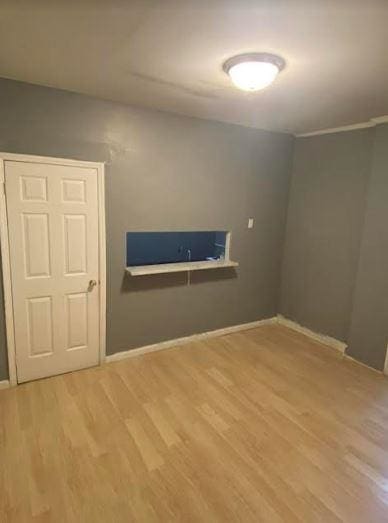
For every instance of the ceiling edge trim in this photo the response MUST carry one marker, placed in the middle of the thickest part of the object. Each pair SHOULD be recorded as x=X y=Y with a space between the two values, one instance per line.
x=362 y=125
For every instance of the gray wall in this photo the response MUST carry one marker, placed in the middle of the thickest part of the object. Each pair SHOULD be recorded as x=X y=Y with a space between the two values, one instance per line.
x=166 y=172
x=334 y=274
x=368 y=336
x=324 y=226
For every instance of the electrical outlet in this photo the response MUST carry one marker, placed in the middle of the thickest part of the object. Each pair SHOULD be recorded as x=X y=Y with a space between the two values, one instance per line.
x=250 y=223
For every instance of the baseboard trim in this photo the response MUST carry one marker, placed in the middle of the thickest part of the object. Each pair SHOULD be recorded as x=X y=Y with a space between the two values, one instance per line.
x=187 y=339
x=347 y=357
x=322 y=338
x=4 y=384
x=281 y=320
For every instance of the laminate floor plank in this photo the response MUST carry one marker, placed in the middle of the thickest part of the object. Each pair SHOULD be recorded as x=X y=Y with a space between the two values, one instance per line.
x=263 y=425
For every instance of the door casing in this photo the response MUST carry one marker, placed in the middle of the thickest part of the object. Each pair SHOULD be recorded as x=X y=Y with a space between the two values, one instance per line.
x=5 y=254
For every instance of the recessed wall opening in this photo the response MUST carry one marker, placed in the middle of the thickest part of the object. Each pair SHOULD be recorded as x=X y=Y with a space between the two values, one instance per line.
x=173 y=251
x=151 y=248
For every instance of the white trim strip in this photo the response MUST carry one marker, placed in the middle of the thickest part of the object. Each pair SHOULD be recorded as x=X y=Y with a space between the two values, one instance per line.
x=363 y=364
x=362 y=125
x=187 y=339
x=4 y=384
x=328 y=341
x=380 y=119
x=385 y=371
x=322 y=338
x=102 y=258
x=7 y=284
x=16 y=157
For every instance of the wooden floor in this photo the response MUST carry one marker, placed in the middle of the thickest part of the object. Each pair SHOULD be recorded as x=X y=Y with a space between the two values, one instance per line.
x=262 y=425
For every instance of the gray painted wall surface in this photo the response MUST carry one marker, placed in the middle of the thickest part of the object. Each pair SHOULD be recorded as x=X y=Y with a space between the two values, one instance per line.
x=166 y=172
x=369 y=327
x=323 y=234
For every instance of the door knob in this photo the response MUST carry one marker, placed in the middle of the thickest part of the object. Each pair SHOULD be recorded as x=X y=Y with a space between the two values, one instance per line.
x=92 y=283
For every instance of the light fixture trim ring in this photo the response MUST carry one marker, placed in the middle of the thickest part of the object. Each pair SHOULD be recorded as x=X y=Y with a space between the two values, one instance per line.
x=254 y=57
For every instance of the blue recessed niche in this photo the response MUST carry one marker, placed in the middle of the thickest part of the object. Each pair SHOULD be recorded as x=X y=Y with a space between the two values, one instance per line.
x=153 y=248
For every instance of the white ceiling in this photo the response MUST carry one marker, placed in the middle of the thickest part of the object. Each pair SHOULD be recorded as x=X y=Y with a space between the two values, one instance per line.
x=168 y=55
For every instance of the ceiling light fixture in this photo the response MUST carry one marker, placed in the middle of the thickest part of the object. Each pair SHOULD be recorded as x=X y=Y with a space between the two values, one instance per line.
x=253 y=71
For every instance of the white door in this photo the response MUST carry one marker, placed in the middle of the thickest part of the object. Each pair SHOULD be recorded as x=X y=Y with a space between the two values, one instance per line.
x=54 y=256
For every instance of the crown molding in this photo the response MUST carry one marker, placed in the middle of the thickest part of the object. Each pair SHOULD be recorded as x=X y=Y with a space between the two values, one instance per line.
x=380 y=119
x=362 y=125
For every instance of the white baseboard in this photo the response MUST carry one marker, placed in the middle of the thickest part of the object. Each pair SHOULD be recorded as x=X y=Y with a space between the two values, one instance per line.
x=329 y=341
x=187 y=339
x=346 y=356
x=4 y=384
x=281 y=320
x=322 y=338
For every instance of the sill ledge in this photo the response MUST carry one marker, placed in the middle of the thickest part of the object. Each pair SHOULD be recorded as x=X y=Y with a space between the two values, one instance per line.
x=141 y=270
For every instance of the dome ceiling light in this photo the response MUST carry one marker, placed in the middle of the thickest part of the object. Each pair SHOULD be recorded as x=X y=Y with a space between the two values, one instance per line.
x=253 y=71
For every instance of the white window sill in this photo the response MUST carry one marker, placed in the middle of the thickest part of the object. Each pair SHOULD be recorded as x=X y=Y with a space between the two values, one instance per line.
x=141 y=270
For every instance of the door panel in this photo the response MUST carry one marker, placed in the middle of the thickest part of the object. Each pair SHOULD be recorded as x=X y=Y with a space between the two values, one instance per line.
x=40 y=326
x=36 y=245
x=54 y=251
x=33 y=189
x=77 y=321
x=73 y=191
x=75 y=243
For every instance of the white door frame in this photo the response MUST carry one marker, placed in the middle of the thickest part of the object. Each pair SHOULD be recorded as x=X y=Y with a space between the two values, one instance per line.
x=5 y=254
